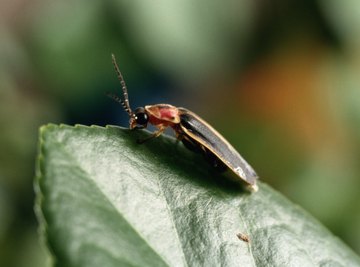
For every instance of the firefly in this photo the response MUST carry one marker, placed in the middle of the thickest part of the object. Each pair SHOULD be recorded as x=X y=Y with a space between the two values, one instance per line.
x=195 y=133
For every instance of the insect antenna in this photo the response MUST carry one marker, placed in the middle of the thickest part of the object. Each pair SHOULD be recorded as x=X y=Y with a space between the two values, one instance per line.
x=124 y=103
x=119 y=100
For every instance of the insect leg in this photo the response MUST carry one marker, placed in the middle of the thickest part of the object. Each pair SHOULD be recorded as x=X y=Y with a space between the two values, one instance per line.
x=154 y=135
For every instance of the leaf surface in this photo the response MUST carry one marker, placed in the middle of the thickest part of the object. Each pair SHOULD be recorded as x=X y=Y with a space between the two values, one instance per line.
x=104 y=200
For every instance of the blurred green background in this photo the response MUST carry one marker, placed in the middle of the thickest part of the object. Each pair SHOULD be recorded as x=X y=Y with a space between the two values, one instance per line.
x=280 y=79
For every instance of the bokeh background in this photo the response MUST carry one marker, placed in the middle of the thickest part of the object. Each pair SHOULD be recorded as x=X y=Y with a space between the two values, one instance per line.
x=280 y=79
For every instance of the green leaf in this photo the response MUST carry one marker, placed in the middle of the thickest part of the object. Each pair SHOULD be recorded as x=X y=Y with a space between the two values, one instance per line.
x=104 y=200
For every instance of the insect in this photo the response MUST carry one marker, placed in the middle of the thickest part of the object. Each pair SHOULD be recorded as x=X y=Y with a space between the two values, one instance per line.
x=196 y=134
x=243 y=237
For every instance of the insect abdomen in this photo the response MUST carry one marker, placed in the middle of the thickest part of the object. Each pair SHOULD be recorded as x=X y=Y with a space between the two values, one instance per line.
x=202 y=133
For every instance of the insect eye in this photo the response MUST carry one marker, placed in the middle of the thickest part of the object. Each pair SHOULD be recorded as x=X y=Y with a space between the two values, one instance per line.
x=141 y=116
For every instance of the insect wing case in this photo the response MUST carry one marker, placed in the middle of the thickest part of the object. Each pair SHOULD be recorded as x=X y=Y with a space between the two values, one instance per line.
x=207 y=136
